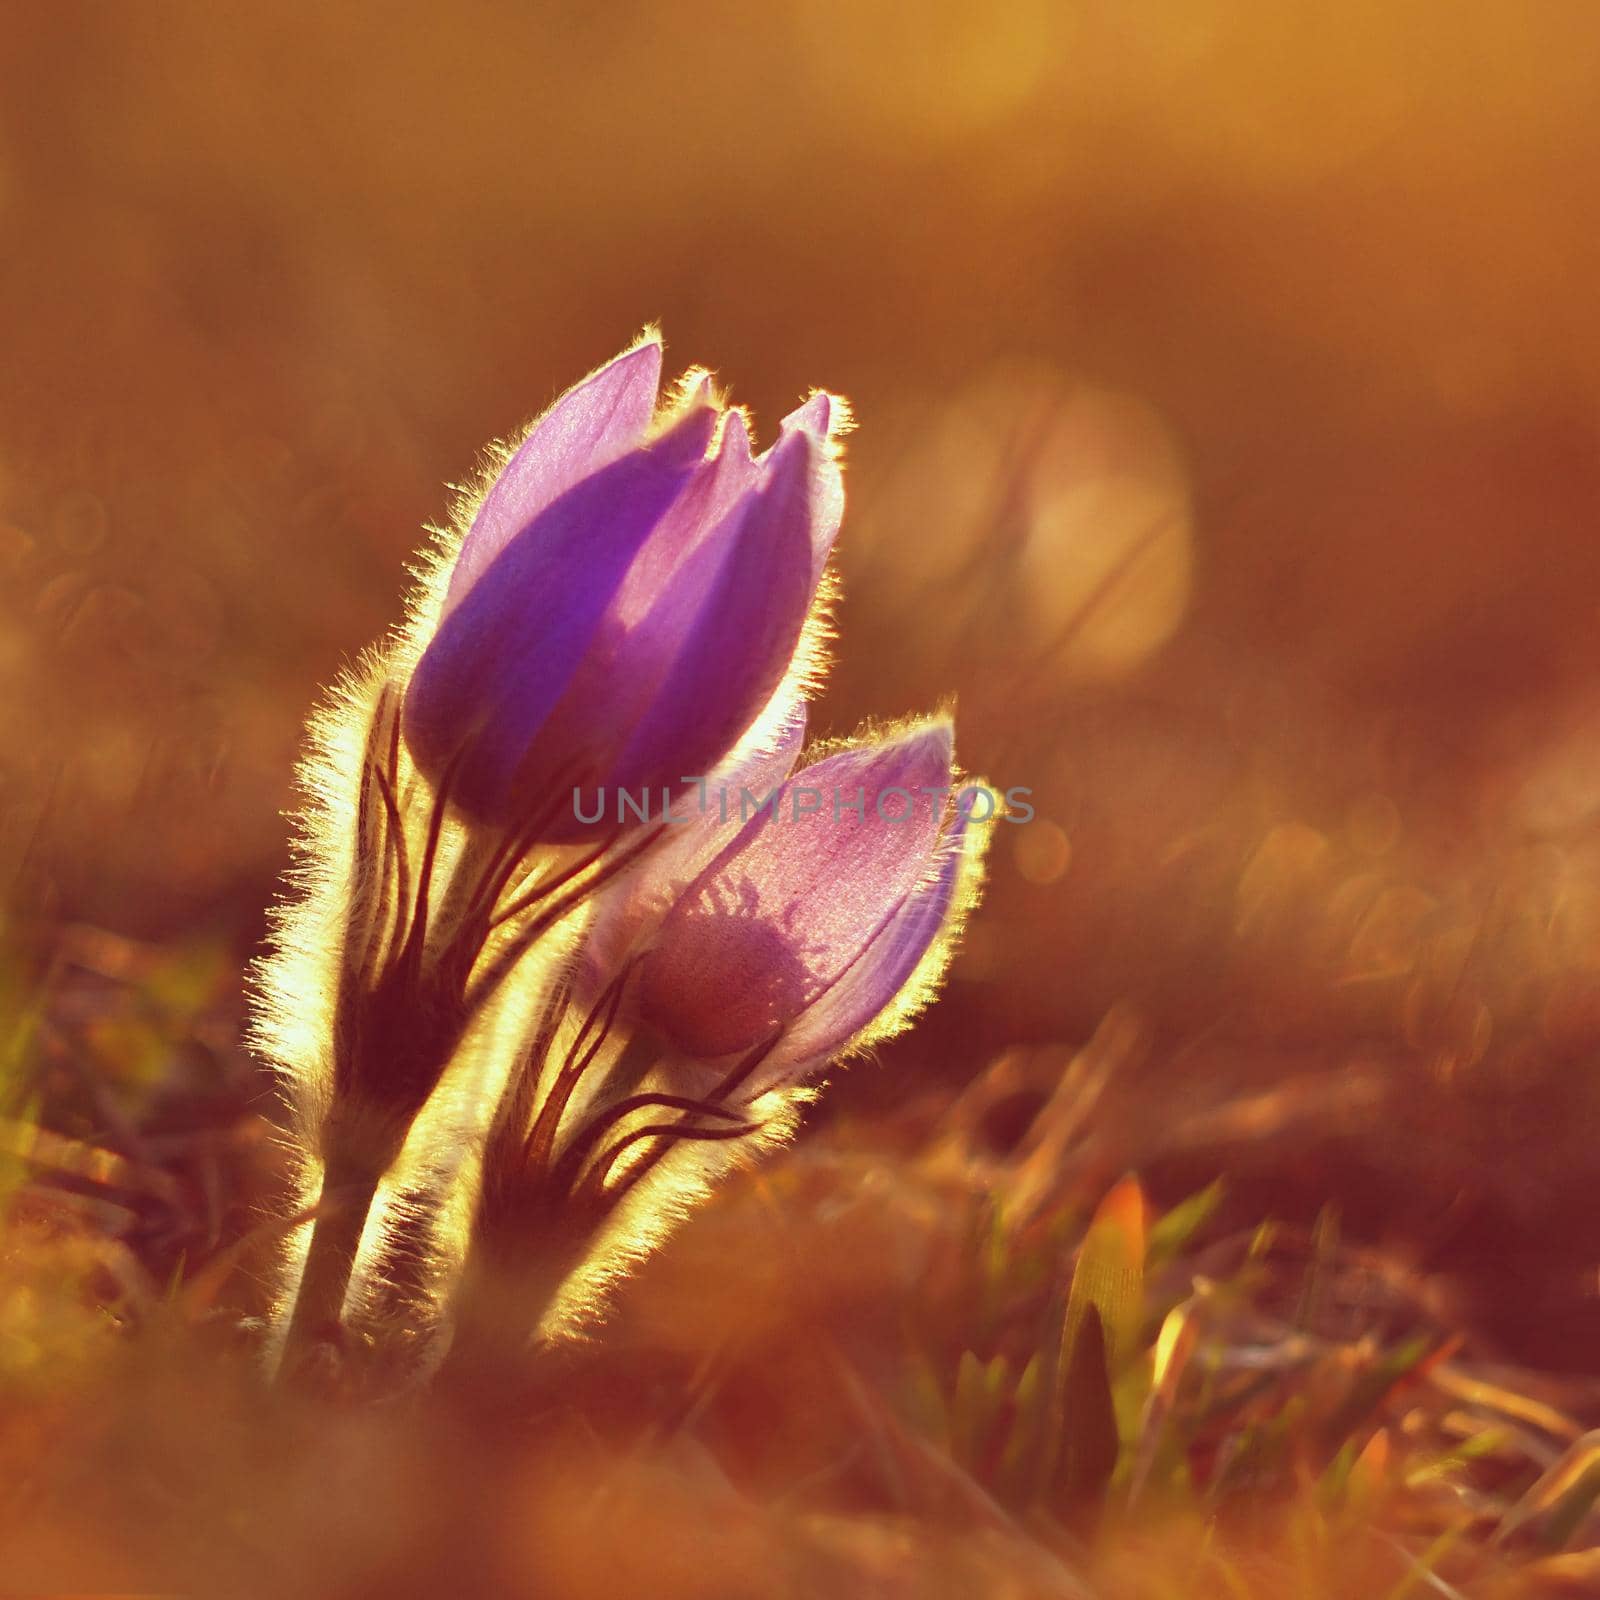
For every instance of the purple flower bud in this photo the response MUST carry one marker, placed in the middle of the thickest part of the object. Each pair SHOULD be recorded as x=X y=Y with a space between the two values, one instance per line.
x=629 y=597
x=885 y=974
x=627 y=913
x=817 y=914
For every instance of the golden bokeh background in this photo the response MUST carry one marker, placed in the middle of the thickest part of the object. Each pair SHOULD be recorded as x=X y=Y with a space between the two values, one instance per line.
x=1228 y=378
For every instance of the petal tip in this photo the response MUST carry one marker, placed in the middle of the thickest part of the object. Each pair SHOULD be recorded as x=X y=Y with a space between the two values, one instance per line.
x=935 y=734
x=735 y=439
x=640 y=363
x=791 y=458
x=822 y=414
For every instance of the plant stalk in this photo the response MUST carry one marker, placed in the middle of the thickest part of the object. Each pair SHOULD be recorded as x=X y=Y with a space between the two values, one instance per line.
x=331 y=1258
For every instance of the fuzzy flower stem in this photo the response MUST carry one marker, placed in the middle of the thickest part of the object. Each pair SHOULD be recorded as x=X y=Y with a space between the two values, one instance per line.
x=335 y=1237
x=409 y=990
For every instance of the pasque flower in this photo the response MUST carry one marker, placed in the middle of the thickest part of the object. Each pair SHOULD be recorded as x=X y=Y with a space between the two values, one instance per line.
x=816 y=918
x=736 y=960
x=630 y=594
x=572 y=1048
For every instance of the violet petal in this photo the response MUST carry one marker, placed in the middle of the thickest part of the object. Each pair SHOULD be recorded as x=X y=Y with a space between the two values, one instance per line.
x=789 y=905
x=590 y=426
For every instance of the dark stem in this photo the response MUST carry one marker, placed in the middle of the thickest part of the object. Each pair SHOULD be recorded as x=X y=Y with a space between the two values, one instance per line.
x=595 y=1186
x=733 y=1080
x=508 y=859
x=410 y=957
x=573 y=1157
x=506 y=961
x=396 y=836
x=512 y=1279
x=542 y=1136
x=335 y=1238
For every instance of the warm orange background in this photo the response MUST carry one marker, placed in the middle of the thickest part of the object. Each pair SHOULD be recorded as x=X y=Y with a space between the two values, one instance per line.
x=1310 y=290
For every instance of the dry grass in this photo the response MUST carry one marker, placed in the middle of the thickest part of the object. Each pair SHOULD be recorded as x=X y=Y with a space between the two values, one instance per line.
x=926 y=1353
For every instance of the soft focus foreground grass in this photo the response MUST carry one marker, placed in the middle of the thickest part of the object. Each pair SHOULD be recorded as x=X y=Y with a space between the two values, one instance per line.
x=939 y=1351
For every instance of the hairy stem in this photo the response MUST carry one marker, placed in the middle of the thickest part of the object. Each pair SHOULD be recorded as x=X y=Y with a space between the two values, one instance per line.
x=335 y=1237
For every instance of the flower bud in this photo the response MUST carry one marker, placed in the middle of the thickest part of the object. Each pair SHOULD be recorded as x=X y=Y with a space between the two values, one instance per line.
x=630 y=595
x=825 y=906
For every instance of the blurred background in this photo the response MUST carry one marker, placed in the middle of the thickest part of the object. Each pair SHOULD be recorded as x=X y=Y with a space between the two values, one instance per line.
x=1228 y=380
